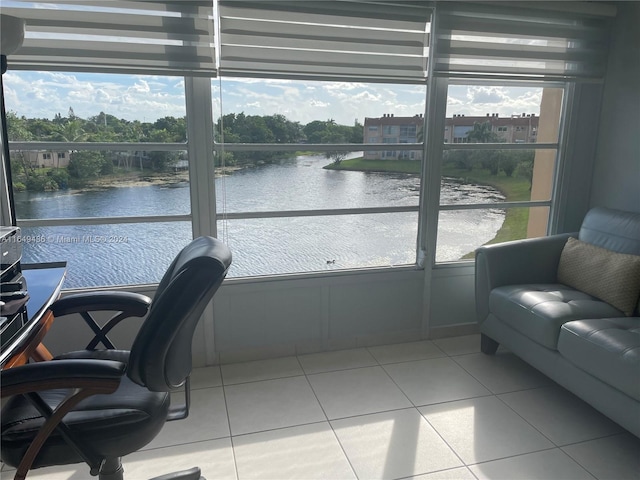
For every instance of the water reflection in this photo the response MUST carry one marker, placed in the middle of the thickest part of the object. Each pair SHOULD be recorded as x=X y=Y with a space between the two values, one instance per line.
x=260 y=246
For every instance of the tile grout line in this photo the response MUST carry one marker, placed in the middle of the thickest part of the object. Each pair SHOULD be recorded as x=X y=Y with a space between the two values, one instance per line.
x=226 y=409
x=335 y=435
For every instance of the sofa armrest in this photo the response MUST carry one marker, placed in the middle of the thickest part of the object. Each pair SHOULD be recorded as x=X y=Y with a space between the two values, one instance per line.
x=533 y=260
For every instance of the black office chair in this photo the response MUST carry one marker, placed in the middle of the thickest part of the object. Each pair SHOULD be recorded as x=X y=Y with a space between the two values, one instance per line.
x=96 y=406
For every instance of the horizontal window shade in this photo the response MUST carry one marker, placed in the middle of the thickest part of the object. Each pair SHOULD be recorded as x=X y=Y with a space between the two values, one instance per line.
x=345 y=40
x=159 y=38
x=351 y=40
x=514 y=40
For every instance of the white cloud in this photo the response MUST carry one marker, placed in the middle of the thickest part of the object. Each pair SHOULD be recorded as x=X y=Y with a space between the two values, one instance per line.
x=505 y=101
x=342 y=86
x=44 y=94
x=146 y=98
x=485 y=95
x=367 y=96
x=140 y=87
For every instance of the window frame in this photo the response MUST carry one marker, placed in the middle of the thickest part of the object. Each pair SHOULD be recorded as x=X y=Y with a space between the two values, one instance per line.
x=437 y=145
x=203 y=215
x=200 y=148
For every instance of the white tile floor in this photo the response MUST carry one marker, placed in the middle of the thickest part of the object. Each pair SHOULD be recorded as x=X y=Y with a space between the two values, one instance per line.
x=430 y=410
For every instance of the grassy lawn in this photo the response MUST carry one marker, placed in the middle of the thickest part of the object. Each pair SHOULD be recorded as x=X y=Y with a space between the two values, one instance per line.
x=513 y=188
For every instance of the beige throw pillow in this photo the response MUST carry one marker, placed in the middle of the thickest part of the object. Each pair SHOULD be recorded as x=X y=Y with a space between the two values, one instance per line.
x=610 y=276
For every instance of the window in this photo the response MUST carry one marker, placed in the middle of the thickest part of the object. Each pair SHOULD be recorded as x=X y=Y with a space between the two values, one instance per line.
x=71 y=209
x=408 y=130
x=294 y=210
x=502 y=191
x=292 y=91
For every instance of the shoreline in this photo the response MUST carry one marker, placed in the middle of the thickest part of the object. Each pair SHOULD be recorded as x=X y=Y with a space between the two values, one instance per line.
x=141 y=179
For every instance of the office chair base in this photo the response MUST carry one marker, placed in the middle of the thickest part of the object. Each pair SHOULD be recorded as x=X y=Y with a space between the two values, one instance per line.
x=191 y=474
x=111 y=470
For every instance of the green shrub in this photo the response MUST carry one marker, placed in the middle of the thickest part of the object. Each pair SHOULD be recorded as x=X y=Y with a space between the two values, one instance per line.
x=86 y=164
x=41 y=183
x=60 y=176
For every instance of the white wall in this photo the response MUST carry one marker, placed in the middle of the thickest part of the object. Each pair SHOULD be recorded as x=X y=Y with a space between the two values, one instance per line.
x=256 y=319
x=616 y=177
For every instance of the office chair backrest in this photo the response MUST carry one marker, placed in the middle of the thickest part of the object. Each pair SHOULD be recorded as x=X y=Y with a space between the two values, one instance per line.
x=160 y=356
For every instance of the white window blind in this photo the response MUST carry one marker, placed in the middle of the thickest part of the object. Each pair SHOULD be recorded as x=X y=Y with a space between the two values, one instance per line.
x=545 y=39
x=372 y=41
x=139 y=37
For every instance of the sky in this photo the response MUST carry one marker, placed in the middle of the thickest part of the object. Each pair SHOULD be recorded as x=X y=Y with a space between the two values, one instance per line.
x=147 y=98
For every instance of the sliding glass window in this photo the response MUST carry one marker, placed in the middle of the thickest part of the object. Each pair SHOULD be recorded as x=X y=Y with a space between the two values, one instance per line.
x=100 y=173
x=316 y=176
x=499 y=164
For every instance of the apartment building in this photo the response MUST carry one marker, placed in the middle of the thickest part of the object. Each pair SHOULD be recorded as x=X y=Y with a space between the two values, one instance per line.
x=521 y=128
x=392 y=129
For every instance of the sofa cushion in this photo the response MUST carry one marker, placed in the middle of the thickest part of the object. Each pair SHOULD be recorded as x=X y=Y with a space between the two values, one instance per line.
x=607 y=348
x=612 y=229
x=539 y=310
x=607 y=275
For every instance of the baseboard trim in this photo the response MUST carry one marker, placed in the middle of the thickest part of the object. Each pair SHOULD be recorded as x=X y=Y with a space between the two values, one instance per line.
x=453 y=330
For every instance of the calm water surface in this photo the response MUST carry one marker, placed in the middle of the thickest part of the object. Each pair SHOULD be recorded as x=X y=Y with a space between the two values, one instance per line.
x=140 y=253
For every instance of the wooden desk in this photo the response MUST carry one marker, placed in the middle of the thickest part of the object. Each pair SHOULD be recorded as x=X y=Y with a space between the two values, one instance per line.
x=44 y=282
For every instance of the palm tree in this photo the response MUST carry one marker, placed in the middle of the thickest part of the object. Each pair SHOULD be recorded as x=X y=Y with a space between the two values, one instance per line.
x=71 y=131
x=482 y=133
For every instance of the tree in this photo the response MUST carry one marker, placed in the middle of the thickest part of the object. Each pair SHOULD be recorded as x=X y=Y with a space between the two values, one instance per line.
x=176 y=128
x=283 y=130
x=41 y=128
x=18 y=130
x=86 y=164
x=334 y=134
x=460 y=158
x=482 y=133
x=489 y=159
x=524 y=168
x=60 y=176
x=70 y=131
x=357 y=132
x=314 y=131
x=163 y=161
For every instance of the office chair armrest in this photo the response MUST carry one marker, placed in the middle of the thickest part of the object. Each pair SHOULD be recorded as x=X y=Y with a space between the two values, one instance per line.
x=126 y=304
x=82 y=378
x=135 y=304
x=103 y=376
